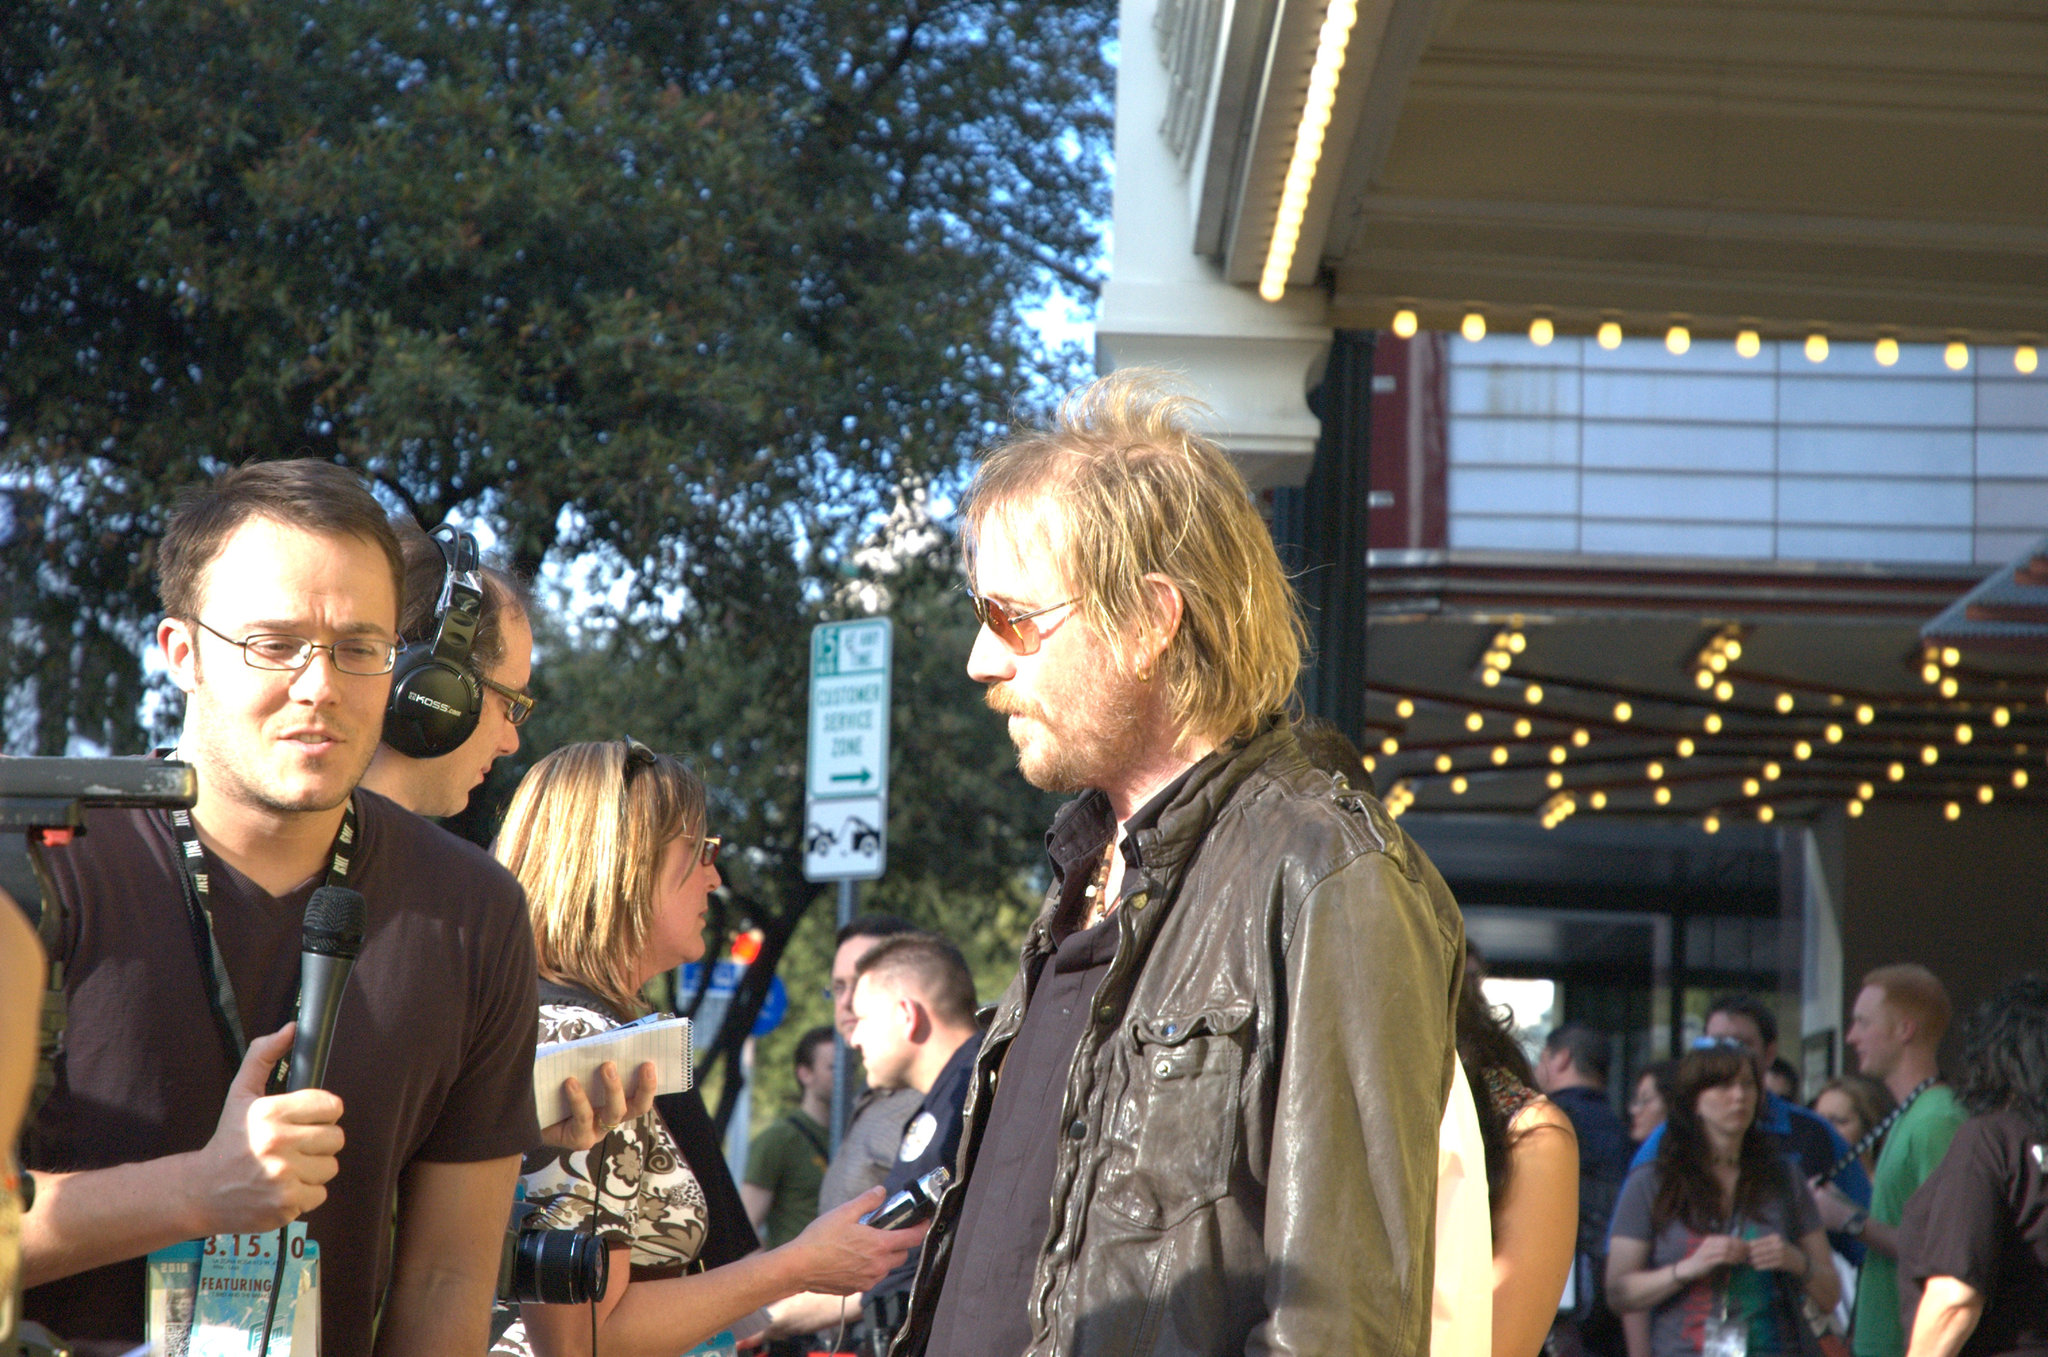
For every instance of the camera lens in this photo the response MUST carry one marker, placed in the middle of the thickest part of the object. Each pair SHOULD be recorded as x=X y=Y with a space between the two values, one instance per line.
x=558 y=1267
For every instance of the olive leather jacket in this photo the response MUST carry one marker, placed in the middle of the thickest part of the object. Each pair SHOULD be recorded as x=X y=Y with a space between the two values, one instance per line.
x=1254 y=1166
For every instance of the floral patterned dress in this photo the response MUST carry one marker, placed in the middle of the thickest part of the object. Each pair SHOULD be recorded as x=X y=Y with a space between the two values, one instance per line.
x=631 y=1188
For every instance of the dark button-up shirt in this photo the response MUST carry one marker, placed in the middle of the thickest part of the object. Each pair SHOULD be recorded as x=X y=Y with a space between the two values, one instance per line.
x=1008 y=1211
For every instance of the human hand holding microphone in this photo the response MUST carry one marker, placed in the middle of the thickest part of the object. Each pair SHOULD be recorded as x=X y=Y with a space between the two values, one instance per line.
x=272 y=1155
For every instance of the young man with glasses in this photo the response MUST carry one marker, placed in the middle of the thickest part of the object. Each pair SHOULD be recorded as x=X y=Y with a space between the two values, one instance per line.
x=1205 y=1116
x=281 y=589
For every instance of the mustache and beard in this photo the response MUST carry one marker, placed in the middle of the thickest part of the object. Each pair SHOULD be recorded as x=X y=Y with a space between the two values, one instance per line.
x=1079 y=734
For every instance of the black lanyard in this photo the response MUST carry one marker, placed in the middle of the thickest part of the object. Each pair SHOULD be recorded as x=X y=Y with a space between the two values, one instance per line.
x=1876 y=1133
x=227 y=1014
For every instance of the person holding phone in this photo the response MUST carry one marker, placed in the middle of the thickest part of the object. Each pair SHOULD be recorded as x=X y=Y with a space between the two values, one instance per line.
x=611 y=844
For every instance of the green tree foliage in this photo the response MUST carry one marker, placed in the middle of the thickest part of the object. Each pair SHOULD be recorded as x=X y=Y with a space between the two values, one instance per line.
x=700 y=288
x=693 y=292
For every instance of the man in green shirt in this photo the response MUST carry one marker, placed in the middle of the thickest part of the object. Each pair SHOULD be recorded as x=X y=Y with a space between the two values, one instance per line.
x=1896 y=1027
x=786 y=1162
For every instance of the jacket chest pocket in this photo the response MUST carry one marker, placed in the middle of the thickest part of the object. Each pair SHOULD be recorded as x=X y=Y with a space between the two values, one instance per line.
x=1173 y=1137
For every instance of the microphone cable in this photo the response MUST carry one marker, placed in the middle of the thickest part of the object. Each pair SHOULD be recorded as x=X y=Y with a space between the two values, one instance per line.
x=276 y=1285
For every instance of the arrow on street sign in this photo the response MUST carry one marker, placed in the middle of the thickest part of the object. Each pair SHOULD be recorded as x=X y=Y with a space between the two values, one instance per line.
x=849 y=715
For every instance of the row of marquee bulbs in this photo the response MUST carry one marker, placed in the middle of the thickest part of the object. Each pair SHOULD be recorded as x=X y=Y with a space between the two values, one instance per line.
x=1748 y=343
x=1725 y=647
x=1562 y=804
x=1802 y=750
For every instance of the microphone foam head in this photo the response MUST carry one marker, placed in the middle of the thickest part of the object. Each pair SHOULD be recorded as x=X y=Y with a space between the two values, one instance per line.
x=335 y=919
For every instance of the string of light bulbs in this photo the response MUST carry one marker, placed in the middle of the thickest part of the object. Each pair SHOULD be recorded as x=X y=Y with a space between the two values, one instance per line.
x=1956 y=353
x=1818 y=746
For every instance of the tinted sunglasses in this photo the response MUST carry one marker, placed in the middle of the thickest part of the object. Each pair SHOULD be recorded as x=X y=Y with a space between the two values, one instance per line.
x=1016 y=630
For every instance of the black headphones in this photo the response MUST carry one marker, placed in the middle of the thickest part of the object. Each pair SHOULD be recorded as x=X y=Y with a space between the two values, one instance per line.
x=435 y=699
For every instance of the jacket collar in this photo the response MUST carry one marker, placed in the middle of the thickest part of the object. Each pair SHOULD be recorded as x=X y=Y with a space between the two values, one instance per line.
x=1164 y=846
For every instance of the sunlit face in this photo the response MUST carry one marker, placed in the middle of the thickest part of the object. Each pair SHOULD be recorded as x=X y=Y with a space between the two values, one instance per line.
x=682 y=898
x=1875 y=1033
x=445 y=783
x=883 y=1023
x=1834 y=1105
x=270 y=740
x=1729 y=1108
x=843 y=961
x=1646 y=1110
x=1073 y=715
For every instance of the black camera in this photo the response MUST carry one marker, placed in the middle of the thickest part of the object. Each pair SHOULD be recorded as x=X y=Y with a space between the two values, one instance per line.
x=550 y=1267
x=42 y=804
x=45 y=800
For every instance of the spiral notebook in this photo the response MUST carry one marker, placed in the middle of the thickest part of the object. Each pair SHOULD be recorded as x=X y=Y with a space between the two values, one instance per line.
x=665 y=1041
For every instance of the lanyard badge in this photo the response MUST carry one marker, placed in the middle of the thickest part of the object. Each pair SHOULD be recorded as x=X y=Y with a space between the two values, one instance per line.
x=209 y=1297
x=235 y=1294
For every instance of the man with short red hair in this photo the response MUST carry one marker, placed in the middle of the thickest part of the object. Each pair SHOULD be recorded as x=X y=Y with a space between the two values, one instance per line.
x=1896 y=1027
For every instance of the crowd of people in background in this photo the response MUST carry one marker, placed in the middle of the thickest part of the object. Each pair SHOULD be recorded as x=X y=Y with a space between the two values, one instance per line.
x=1902 y=1214
x=1895 y=1215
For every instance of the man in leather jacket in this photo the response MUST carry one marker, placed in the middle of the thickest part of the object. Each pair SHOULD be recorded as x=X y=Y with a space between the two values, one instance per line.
x=1204 y=1119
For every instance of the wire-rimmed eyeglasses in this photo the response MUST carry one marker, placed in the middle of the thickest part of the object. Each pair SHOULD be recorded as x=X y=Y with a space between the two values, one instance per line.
x=282 y=652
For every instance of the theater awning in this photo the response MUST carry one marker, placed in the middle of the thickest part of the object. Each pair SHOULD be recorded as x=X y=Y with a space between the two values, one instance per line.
x=1705 y=691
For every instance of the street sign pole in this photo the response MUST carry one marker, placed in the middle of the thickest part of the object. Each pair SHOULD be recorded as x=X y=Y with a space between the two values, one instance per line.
x=842 y=1055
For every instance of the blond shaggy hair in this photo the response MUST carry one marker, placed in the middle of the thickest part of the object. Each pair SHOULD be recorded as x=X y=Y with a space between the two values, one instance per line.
x=585 y=835
x=1123 y=486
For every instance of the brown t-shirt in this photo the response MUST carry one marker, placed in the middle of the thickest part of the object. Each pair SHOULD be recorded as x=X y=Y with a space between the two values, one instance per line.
x=433 y=1047
x=1982 y=1218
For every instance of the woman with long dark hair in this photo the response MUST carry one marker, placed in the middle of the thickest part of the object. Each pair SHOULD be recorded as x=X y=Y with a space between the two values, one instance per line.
x=1704 y=1233
x=1532 y=1179
x=1974 y=1239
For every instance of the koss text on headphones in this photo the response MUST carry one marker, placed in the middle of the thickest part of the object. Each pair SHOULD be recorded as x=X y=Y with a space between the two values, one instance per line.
x=435 y=699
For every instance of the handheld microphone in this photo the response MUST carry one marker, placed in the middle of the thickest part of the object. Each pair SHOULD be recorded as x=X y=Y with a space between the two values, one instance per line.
x=913 y=1204
x=333 y=937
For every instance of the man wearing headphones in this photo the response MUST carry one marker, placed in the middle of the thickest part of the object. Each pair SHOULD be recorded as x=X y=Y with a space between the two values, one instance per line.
x=458 y=693
x=458 y=698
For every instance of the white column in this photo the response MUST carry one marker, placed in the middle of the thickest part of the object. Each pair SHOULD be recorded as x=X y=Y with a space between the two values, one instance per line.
x=1165 y=306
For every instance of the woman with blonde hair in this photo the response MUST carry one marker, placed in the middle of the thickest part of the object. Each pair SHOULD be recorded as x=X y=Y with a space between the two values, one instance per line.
x=611 y=844
x=1853 y=1104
